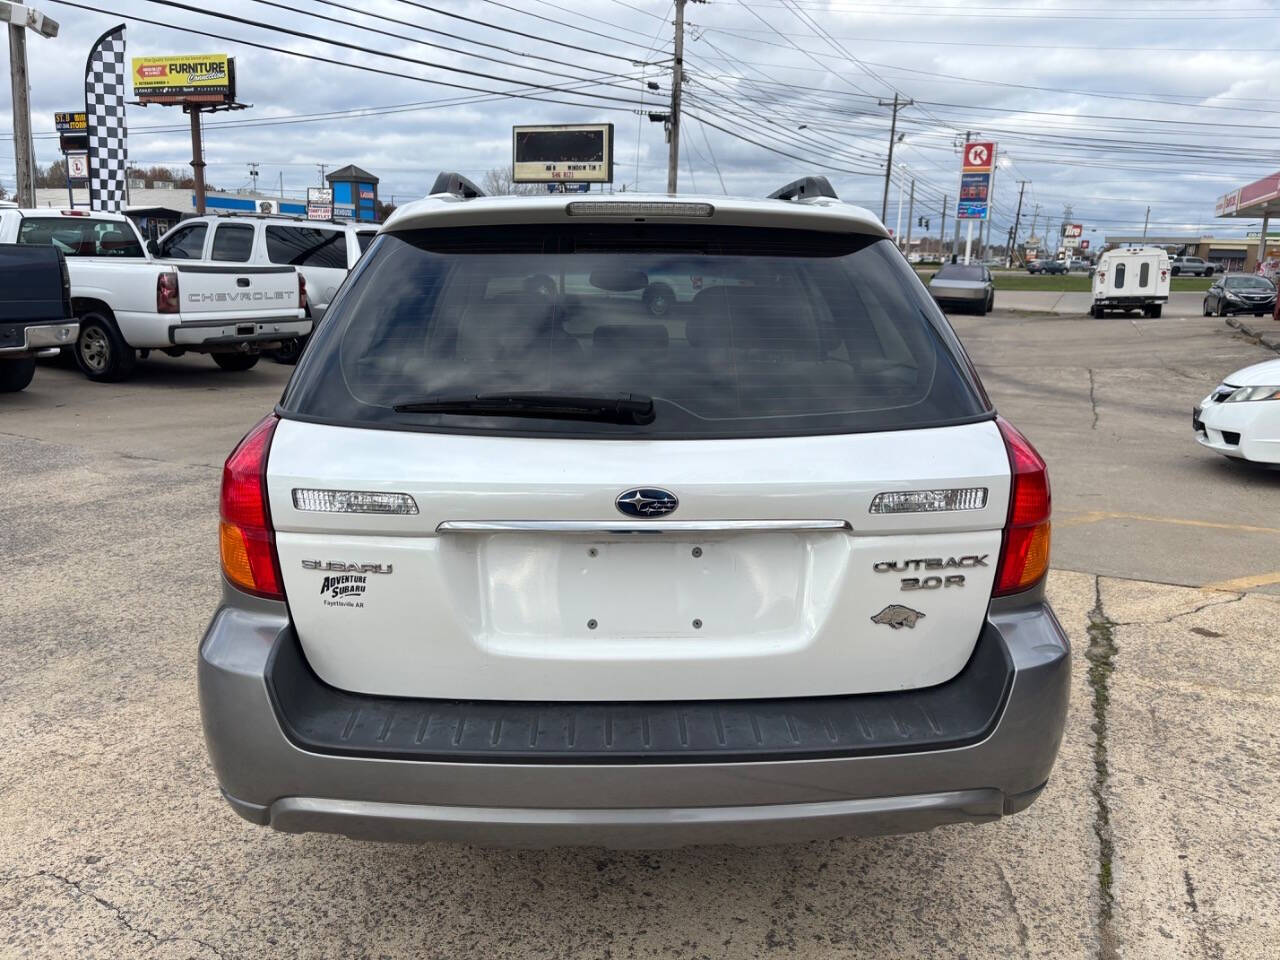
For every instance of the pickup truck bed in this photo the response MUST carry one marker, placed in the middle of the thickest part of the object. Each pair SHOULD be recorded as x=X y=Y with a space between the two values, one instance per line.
x=35 y=311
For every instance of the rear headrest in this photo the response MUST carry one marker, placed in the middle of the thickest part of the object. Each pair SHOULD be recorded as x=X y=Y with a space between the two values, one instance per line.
x=624 y=336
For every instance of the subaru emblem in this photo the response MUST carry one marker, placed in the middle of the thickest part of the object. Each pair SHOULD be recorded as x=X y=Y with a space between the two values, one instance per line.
x=646 y=502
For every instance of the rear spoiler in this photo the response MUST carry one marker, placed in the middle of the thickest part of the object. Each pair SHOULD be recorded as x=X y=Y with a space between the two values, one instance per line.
x=456 y=184
x=804 y=188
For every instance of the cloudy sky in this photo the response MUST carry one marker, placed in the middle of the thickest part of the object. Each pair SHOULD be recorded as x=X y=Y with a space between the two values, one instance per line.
x=1109 y=107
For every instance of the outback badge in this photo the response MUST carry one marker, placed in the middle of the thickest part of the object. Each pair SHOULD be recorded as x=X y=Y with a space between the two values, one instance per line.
x=897 y=616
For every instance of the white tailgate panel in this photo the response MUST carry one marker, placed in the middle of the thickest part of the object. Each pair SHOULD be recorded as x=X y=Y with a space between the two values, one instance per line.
x=613 y=616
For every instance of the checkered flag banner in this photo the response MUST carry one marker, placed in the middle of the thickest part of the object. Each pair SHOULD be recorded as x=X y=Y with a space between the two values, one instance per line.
x=104 y=90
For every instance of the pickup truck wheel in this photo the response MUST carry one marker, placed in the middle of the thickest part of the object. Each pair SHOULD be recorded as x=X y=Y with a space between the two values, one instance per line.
x=101 y=352
x=235 y=361
x=16 y=374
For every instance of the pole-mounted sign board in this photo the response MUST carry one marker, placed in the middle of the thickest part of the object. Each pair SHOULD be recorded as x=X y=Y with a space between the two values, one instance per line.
x=555 y=153
x=319 y=203
x=977 y=163
x=185 y=78
x=69 y=121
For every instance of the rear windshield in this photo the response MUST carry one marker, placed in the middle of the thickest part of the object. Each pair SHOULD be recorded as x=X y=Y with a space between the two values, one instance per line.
x=81 y=236
x=307 y=247
x=959 y=271
x=731 y=331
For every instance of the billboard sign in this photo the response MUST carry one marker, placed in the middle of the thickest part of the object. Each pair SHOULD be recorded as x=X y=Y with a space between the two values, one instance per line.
x=1227 y=204
x=198 y=78
x=557 y=153
x=1072 y=231
x=319 y=203
x=1084 y=244
x=69 y=121
x=975 y=196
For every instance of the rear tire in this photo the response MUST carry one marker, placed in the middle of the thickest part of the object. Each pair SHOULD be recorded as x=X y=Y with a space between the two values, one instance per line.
x=16 y=374
x=235 y=362
x=101 y=353
x=1205 y=311
x=289 y=351
x=1175 y=271
x=1154 y=311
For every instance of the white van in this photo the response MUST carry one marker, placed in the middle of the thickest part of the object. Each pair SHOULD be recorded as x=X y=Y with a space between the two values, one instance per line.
x=1131 y=279
x=323 y=251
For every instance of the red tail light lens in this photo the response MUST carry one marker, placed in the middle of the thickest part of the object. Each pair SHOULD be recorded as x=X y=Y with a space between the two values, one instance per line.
x=1024 y=557
x=248 y=543
x=302 y=292
x=167 y=293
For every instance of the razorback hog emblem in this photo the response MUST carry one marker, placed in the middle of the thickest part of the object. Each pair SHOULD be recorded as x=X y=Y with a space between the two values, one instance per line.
x=897 y=616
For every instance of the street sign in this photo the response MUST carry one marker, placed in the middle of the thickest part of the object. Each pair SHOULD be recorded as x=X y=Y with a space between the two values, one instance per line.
x=558 y=152
x=319 y=203
x=77 y=166
x=1084 y=244
x=563 y=187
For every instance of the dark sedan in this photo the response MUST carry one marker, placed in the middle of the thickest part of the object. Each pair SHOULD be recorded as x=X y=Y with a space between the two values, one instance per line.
x=1240 y=293
x=1047 y=266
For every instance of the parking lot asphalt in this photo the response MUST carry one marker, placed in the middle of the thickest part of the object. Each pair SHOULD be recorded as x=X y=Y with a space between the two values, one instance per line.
x=1157 y=836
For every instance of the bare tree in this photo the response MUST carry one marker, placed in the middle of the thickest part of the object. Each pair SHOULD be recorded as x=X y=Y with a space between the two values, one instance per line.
x=501 y=181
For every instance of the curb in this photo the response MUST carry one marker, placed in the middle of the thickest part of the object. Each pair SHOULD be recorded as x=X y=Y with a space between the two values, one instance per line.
x=1266 y=339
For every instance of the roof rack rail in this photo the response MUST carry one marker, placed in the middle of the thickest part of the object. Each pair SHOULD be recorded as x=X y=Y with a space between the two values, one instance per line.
x=804 y=188
x=456 y=184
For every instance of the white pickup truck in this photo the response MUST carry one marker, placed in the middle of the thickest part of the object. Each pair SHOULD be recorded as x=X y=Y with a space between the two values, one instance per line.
x=128 y=302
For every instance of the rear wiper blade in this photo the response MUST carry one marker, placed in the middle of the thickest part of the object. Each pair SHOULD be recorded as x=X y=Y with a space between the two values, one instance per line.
x=633 y=408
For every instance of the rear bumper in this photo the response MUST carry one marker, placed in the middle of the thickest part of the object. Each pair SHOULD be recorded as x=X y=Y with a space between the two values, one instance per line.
x=209 y=334
x=269 y=779
x=1128 y=301
x=39 y=339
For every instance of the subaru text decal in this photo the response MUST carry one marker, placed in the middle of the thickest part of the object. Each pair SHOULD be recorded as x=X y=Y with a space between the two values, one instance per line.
x=646 y=502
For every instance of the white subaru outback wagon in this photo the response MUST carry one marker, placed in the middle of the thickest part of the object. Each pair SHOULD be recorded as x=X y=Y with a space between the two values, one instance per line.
x=516 y=562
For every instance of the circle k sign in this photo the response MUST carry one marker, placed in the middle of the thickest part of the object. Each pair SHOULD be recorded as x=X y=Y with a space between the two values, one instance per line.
x=979 y=156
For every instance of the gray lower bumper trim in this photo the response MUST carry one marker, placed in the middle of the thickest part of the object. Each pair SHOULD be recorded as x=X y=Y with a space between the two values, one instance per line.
x=641 y=828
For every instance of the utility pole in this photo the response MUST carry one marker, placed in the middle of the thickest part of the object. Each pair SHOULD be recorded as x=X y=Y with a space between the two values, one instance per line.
x=322 y=167
x=911 y=210
x=955 y=243
x=942 y=231
x=1017 y=219
x=21 y=18
x=897 y=103
x=253 y=175
x=677 y=81
x=897 y=229
x=1145 y=223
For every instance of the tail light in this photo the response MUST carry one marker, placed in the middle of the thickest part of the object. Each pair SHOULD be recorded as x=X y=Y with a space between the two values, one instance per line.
x=1024 y=555
x=248 y=543
x=302 y=291
x=167 y=293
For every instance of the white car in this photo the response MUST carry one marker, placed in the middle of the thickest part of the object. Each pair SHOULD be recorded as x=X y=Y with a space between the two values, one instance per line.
x=525 y=563
x=128 y=303
x=1241 y=418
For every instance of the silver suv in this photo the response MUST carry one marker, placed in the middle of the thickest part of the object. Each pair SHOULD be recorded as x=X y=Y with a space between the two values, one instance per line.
x=519 y=560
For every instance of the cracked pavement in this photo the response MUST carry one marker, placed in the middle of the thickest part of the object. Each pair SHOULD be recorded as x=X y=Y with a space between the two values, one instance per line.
x=1158 y=835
